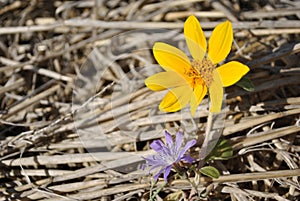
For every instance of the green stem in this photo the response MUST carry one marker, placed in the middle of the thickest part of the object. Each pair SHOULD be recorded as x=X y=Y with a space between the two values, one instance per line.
x=152 y=195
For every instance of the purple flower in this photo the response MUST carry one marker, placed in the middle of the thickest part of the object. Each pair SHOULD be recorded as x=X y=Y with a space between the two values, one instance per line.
x=168 y=154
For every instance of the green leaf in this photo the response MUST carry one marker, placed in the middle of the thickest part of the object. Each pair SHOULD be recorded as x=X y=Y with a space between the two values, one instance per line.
x=246 y=84
x=210 y=171
x=222 y=151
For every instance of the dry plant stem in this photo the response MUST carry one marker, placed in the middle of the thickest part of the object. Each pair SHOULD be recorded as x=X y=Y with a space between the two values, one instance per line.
x=252 y=193
x=219 y=6
x=265 y=136
x=143 y=25
x=248 y=124
x=283 y=52
x=31 y=100
x=10 y=7
x=18 y=83
x=183 y=183
x=68 y=158
x=49 y=73
x=239 y=178
x=80 y=44
x=268 y=14
x=158 y=5
x=181 y=14
x=20 y=141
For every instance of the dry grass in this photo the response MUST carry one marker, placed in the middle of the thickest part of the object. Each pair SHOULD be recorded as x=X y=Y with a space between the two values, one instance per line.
x=75 y=116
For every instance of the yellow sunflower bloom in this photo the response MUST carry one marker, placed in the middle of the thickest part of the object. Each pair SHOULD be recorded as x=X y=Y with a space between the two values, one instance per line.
x=188 y=81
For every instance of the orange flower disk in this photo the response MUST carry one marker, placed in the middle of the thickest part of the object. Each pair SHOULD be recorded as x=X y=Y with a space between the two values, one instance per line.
x=188 y=81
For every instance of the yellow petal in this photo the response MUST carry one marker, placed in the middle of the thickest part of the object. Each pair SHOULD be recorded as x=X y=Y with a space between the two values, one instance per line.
x=219 y=44
x=164 y=80
x=176 y=99
x=171 y=58
x=232 y=72
x=195 y=38
x=216 y=93
x=200 y=91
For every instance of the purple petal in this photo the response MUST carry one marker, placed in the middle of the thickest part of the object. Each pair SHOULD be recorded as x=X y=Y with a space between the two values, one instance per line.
x=188 y=145
x=169 y=139
x=150 y=159
x=188 y=158
x=167 y=172
x=154 y=167
x=144 y=166
x=179 y=140
x=157 y=145
x=154 y=161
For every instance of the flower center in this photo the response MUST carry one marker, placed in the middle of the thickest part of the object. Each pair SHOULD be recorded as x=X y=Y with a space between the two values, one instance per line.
x=204 y=69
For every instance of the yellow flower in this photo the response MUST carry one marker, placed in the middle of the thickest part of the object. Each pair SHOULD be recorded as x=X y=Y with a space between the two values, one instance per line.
x=188 y=81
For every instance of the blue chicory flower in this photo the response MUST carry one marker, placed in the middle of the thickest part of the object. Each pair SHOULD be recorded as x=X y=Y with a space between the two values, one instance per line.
x=168 y=154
